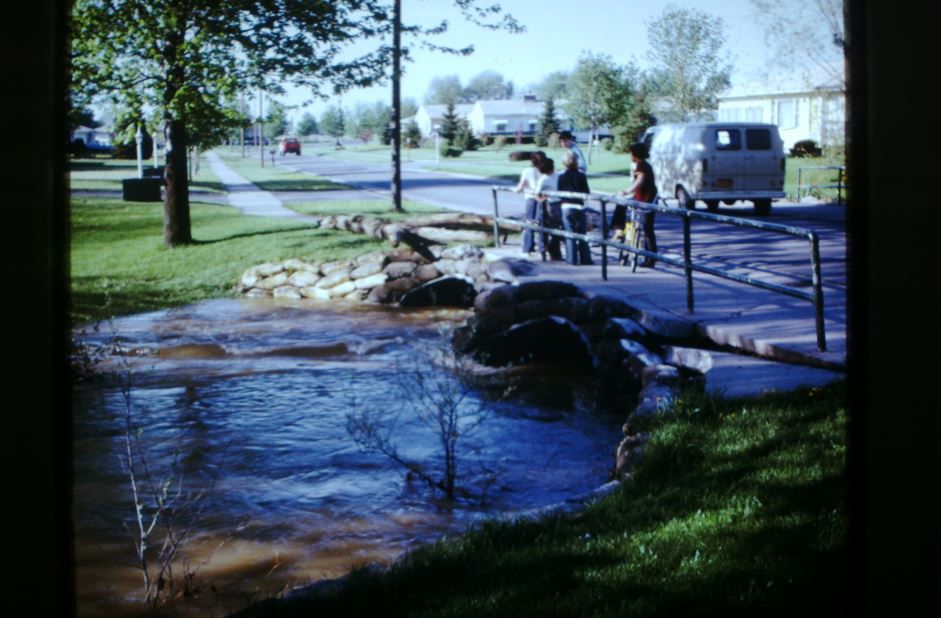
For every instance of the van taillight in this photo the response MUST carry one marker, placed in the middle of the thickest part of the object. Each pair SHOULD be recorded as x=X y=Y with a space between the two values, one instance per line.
x=705 y=165
x=782 y=164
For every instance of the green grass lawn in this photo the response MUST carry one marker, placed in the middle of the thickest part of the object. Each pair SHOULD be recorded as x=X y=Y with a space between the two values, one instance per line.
x=100 y=174
x=120 y=266
x=737 y=509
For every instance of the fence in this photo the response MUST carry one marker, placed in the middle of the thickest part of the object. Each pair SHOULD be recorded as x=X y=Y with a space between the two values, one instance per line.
x=687 y=263
x=838 y=185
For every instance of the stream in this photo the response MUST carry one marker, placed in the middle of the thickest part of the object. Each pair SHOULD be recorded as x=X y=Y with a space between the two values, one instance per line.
x=244 y=404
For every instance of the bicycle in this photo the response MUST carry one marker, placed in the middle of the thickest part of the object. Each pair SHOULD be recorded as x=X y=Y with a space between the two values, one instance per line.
x=633 y=236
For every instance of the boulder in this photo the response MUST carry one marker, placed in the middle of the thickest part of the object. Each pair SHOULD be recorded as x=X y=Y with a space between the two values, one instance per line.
x=372 y=227
x=500 y=296
x=567 y=307
x=500 y=270
x=427 y=272
x=545 y=290
x=396 y=270
x=688 y=358
x=249 y=279
x=331 y=267
x=450 y=291
x=338 y=291
x=286 y=291
x=367 y=283
x=545 y=340
x=303 y=278
x=373 y=257
x=462 y=252
x=296 y=264
x=258 y=293
x=267 y=269
x=624 y=328
x=335 y=278
x=270 y=283
x=366 y=269
x=638 y=358
x=604 y=307
x=315 y=293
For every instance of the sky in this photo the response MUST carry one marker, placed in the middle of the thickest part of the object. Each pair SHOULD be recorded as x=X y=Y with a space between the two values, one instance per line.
x=557 y=32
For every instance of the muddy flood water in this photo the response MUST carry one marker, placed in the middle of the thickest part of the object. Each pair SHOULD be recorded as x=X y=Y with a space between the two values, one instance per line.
x=243 y=405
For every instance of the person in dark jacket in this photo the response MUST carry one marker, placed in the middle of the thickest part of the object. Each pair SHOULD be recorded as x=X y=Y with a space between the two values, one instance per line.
x=644 y=189
x=573 y=210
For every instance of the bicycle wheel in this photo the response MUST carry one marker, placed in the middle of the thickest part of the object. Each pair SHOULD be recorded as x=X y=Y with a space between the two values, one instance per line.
x=636 y=241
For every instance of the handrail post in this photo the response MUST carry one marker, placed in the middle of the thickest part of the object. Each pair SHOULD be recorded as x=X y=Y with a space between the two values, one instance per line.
x=496 y=215
x=542 y=223
x=604 y=241
x=839 y=186
x=818 y=291
x=688 y=261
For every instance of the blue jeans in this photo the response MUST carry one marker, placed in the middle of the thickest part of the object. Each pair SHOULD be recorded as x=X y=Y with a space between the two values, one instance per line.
x=575 y=221
x=532 y=215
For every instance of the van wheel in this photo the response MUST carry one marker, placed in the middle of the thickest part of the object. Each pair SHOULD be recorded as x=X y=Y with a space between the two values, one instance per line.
x=684 y=200
x=762 y=207
x=712 y=205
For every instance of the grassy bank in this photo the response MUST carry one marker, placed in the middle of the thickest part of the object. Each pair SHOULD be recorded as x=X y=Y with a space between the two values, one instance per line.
x=120 y=266
x=736 y=510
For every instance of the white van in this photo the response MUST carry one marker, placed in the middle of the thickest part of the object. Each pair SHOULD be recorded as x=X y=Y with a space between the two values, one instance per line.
x=718 y=161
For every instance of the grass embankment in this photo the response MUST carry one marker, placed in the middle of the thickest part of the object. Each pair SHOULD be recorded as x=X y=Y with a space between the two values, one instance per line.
x=119 y=265
x=736 y=510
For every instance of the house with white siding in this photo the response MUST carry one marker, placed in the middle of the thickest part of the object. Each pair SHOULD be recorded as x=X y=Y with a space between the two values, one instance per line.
x=493 y=116
x=429 y=117
x=810 y=113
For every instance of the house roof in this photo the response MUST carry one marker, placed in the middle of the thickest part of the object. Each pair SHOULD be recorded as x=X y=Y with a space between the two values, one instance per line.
x=438 y=111
x=508 y=107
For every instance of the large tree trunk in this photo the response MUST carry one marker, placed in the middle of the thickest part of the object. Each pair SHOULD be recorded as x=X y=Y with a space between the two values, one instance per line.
x=176 y=207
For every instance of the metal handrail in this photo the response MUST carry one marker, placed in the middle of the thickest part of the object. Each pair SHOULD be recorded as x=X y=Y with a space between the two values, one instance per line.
x=816 y=297
x=840 y=183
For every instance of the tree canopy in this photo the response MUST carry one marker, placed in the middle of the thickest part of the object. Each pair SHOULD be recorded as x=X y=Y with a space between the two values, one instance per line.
x=187 y=58
x=599 y=91
x=689 y=68
x=807 y=38
x=307 y=125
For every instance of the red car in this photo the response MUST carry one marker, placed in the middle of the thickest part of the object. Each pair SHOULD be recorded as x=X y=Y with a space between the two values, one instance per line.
x=289 y=144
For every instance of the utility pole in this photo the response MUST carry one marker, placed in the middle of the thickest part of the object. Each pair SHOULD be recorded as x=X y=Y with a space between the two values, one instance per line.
x=260 y=135
x=242 y=110
x=396 y=107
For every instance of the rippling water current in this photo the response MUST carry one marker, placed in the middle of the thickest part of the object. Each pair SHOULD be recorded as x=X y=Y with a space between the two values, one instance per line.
x=250 y=399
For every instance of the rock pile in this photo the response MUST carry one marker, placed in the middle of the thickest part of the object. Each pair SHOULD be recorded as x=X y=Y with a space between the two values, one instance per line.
x=447 y=277
x=554 y=321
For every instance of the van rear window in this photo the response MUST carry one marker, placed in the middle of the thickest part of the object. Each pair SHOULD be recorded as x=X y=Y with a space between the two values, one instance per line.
x=758 y=139
x=728 y=139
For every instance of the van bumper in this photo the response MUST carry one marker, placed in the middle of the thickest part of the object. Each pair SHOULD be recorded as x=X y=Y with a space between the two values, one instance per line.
x=739 y=195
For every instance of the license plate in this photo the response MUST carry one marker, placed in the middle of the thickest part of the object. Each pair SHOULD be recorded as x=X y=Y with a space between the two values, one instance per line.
x=724 y=183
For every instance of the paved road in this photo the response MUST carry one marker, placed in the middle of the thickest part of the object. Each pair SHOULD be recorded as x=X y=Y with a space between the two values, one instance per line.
x=452 y=191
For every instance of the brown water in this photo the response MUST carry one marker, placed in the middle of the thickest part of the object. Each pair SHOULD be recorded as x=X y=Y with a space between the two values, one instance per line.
x=250 y=397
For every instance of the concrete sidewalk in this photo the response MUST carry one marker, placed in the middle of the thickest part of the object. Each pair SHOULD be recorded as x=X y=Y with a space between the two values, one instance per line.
x=248 y=197
x=771 y=338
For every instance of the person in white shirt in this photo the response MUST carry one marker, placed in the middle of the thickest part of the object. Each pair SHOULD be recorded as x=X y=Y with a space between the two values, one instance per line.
x=549 y=181
x=529 y=179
